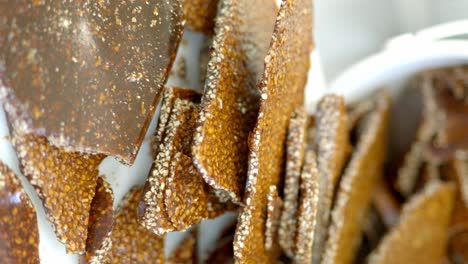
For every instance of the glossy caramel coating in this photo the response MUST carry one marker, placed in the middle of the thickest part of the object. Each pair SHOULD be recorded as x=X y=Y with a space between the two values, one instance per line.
x=19 y=235
x=230 y=101
x=282 y=91
x=87 y=74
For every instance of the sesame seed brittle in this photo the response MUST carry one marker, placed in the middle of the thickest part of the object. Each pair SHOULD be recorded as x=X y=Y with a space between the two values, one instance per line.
x=282 y=89
x=200 y=14
x=274 y=207
x=186 y=251
x=63 y=180
x=19 y=235
x=230 y=101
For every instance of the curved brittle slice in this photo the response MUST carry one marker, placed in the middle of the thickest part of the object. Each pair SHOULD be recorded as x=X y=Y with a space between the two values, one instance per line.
x=63 y=180
x=295 y=149
x=200 y=14
x=332 y=147
x=274 y=207
x=231 y=99
x=101 y=222
x=19 y=235
x=186 y=251
x=359 y=180
x=308 y=210
x=152 y=209
x=282 y=91
x=131 y=242
x=98 y=89
x=421 y=234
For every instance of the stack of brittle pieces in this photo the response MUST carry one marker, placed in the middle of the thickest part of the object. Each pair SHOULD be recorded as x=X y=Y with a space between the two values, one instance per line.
x=381 y=180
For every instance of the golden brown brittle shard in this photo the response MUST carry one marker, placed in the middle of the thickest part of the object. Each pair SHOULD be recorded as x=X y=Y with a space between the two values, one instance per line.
x=131 y=242
x=332 y=147
x=421 y=235
x=308 y=210
x=200 y=14
x=357 y=184
x=63 y=180
x=282 y=91
x=295 y=149
x=101 y=222
x=186 y=251
x=231 y=99
x=274 y=207
x=19 y=235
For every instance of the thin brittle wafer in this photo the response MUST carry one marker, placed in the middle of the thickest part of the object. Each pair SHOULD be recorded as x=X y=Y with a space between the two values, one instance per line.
x=186 y=251
x=131 y=242
x=200 y=14
x=63 y=180
x=97 y=69
x=274 y=207
x=421 y=234
x=332 y=147
x=101 y=222
x=357 y=184
x=19 y=235
x=295 y=148
x=152 y=209
x=282 y=91
x=308 y=210
x=231 y=99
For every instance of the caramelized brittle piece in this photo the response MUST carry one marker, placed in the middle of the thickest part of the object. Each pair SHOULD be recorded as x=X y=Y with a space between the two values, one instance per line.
x=200 y=14
x=152 y=209
x=295 y=148
x=98 y=90
x=332 y=147
x=131 y=242
x=357 y=184
x=231 y=99
x=186 y=251
x=19 y=235
x=308 y=209
x=274 y=207
x=63 y=180
x=282 y=91
x=421 y=235
x=101 y=222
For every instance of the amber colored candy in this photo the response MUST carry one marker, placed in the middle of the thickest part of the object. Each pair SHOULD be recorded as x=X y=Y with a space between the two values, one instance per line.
x=308 y=213
x=332 y=148
x=186 y=251
x=19 y=235
x=200 y=15
x=358 y=182
x=421 y=234
x=97 y=69
x=131 y=242
x=295 y=149
x=231 y=99
x=274 y=207
x=65 y=182
x=100 y=224
x=282 y=91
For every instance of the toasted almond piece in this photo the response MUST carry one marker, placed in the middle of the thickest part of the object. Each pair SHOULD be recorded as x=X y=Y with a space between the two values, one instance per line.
x=357 y=184
x=295 y=148
x=231 y=99
x=186 y=251
x=332 y=147
x=274 y=207
x=100 y=224
x=131 y=242
x=19 y=235
x=421 y=234
x=308 y=210
x=63 y=180
x=282 y=91
x=152 y=209
x=200 y=14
